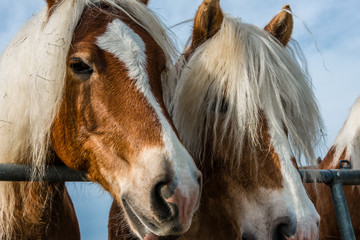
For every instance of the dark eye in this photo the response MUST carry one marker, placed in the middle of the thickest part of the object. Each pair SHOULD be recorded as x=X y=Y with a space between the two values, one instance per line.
x=221 y=107
x=79 y=67
x=163 y=68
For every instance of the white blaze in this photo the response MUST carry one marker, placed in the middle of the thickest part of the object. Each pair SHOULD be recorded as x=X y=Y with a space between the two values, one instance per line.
x=120 y=40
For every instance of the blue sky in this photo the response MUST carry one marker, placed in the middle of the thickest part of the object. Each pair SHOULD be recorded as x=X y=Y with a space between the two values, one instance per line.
x=334 y=27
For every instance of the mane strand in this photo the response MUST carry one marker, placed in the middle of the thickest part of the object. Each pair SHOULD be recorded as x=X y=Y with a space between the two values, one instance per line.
x=348 y=139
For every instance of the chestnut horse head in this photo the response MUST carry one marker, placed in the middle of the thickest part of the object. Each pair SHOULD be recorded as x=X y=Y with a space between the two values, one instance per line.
x=91 y=93
x=245 y=110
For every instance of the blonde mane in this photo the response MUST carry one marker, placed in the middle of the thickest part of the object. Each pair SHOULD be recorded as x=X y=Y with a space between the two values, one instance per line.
x=245 y=67
x=348 y=138
x=32 y=80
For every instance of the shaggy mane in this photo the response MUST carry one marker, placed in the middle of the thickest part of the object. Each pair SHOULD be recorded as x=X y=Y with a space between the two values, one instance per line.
x=32 y=81
x=244 y=67
x=349 y=138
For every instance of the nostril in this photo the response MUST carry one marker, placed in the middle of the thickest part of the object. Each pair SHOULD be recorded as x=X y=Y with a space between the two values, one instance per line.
x=285 y=227
x=247 y=236
x=199 y=180
x=200 y=183
x=166 y=189
x=162 y=191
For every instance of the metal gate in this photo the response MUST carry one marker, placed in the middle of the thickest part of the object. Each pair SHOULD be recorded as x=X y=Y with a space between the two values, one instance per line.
x=334 y=178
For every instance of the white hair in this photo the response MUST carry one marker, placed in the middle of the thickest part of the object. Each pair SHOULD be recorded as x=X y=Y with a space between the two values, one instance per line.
x=348 y=139
x=245 y=68
x=32 y=80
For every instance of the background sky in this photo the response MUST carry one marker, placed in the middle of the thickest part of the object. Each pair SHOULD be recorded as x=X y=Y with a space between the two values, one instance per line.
x=335 y=70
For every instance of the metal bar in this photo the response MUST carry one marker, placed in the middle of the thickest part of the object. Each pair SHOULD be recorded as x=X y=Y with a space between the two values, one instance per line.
x=342 y=211
x=348 y=177
x=319 y=176
x=22 y=172
x=335 y=179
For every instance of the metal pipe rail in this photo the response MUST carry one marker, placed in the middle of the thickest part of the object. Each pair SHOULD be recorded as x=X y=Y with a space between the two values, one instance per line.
x=347 y=177
x=334 y=178
x=53 y=173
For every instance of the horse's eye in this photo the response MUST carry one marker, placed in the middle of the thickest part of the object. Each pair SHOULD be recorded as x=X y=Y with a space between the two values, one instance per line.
x=79 y=67
x=222 y=107
x=163 y=68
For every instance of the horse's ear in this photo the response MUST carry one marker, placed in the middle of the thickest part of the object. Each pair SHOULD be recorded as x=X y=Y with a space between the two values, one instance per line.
x=281 y=25
x=145 y=1
x=207 y=23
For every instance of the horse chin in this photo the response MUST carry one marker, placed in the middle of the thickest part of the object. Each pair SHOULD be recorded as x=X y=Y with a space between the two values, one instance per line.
x=152 y=236
x=144 y=228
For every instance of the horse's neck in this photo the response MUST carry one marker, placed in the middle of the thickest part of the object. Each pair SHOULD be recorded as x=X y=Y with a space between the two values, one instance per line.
x=56 y=221
x=60 y=213
x=347 y=144
x=62 y=216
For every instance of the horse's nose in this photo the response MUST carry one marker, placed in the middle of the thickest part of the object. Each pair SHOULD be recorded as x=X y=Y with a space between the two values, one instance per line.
x=174 y=202
x=284 y=227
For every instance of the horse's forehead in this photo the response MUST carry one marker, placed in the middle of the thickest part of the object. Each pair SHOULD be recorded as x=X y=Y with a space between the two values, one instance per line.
x=112 y=31
x=126 y=45
x=97 y=21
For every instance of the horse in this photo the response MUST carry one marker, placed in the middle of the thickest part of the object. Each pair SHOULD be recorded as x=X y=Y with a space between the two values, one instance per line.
x=81 y=85
x=346 y=146
x=254 y=113
x=244 y=108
